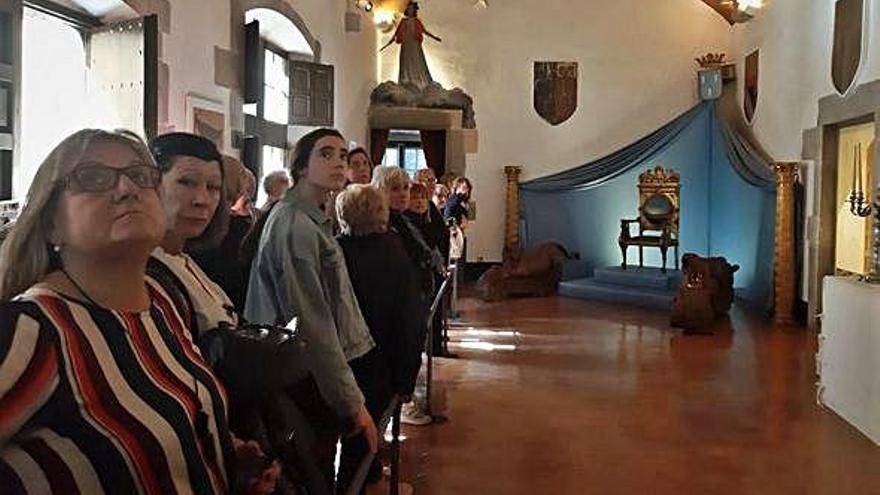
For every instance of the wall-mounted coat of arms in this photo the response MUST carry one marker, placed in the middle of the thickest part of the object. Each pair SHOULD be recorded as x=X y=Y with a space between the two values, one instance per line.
x=849 y=18
x=556 y=90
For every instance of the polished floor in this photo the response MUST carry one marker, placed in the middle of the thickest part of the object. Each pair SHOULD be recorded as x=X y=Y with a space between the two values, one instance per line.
x=563 y=396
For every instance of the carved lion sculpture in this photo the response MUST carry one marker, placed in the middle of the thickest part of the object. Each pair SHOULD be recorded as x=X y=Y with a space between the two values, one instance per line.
x=534 y=272
x=706 y=292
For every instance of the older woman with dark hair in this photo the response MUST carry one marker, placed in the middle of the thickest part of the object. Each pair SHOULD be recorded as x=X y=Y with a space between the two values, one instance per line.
x=299 y=271
x=102 y=389
x=385 y=285
x=222 y=263
x=196 y=218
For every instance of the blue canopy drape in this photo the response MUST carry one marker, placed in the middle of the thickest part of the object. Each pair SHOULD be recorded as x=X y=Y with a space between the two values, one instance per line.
x=608 y=167
x=727 y=199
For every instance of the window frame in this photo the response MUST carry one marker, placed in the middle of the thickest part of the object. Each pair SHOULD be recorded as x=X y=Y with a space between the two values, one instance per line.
x=261 y=105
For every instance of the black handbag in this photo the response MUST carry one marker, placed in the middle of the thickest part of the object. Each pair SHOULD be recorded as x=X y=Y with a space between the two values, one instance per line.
x=254 y=361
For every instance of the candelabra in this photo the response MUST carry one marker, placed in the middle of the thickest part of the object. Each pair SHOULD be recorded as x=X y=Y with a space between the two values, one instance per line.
x=862 y=206
x=859 y=205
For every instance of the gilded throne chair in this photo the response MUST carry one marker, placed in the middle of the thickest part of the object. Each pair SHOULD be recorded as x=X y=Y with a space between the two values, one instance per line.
x=659 y=193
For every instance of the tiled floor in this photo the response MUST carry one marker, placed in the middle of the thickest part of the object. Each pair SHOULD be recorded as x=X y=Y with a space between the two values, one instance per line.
x=562 y=396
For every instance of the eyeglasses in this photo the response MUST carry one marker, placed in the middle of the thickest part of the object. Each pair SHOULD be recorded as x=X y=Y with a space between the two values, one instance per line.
x=94 y=177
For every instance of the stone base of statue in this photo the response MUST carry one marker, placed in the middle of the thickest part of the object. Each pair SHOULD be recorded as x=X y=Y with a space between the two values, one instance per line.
x=431 y=96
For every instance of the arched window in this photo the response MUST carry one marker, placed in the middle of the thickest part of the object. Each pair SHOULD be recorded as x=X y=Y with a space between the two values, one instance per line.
x=286 y=88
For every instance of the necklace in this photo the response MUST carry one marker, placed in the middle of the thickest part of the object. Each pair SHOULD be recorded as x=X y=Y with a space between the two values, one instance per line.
x=79 y=287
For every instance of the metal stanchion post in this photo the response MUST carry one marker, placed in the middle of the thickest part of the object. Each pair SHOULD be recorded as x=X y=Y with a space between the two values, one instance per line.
x=445 y=322
x=435 y=305
x=453 y=306
x=430 y=365
x=395 y=451
x=363 y=470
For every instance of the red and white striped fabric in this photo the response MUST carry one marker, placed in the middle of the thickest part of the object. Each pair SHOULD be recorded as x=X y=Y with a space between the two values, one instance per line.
x=101 y=401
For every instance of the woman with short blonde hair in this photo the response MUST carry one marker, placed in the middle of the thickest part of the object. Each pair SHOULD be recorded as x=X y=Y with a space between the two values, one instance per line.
x=362 y=209
x=385 y=177
x=384 y=283
x=395 y=183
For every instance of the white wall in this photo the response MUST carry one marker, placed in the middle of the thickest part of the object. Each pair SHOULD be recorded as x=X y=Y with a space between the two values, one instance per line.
x=636 y=73
x=189 y=52
x=795 y=39
x=195 y=30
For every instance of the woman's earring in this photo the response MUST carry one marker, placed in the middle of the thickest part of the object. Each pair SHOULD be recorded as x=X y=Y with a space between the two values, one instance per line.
x=56 y=248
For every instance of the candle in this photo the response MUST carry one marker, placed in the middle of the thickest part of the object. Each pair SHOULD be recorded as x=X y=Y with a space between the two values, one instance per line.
x=859 y=155
x=854 y=172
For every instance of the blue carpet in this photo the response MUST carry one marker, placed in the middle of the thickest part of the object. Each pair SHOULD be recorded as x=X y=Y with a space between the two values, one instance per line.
x=645 y=287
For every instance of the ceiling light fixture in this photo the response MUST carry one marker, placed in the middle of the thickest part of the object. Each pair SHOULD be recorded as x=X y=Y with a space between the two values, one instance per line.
x=736 y=10
x=367 y=5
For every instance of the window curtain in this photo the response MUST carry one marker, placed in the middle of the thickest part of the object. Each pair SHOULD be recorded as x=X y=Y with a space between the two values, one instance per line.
x=378 y=141
x=434 y=146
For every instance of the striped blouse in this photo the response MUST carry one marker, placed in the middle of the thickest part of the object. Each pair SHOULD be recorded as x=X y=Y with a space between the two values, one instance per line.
x=101 y=401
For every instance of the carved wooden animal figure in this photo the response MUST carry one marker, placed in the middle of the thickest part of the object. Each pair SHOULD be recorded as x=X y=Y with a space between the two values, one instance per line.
x=706 y=292
x=533 y=272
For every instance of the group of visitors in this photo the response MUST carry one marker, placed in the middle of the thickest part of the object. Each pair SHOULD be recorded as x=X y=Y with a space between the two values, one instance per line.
x=102 y=384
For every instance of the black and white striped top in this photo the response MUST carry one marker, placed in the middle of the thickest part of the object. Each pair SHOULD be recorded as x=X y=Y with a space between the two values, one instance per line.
x=101 y=401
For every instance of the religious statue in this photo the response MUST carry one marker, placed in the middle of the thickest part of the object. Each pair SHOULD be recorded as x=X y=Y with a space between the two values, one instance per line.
x=415 y=87
x=410 y=33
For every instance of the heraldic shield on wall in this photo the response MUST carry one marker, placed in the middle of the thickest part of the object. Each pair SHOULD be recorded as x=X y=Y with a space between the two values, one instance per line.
x=847 y=53
x=556 y=90
x=750 y=92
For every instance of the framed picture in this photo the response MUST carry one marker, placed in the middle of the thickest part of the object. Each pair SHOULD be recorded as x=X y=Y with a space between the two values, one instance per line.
x=207 y=118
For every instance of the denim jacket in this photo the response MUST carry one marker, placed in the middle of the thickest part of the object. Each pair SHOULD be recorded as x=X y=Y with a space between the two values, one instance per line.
x=299 y=271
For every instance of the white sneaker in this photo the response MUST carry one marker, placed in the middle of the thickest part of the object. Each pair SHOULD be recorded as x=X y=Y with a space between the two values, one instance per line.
x=411 y=414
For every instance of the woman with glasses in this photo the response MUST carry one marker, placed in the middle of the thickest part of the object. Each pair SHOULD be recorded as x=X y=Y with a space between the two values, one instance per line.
x=101 y=387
